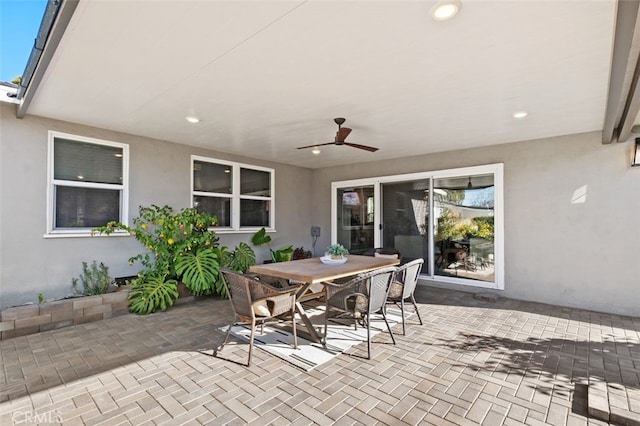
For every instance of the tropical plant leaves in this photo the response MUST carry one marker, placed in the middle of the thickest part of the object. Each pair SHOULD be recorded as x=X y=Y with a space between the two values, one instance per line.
x=243 y=258
x=283 y=254
x=152 y=292
x=260 y=238
x=198 y=270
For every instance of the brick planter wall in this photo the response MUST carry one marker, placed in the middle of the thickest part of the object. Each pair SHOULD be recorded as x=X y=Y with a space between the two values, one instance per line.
x=30 y=319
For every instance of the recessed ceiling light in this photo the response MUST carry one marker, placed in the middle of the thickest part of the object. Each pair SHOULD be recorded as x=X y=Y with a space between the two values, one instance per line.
x=444 y=10
x=192 y=119
x=227 y=170
x=80 y=177
x=315 y=151
x=119 y=155
x=520 y=114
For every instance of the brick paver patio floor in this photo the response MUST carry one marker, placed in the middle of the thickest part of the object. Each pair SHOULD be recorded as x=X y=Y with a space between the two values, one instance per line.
x=473 y=362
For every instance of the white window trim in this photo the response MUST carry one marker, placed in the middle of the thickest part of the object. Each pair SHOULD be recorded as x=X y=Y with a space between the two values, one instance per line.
x=51 y=232
x=497 y=169
x=236 y=196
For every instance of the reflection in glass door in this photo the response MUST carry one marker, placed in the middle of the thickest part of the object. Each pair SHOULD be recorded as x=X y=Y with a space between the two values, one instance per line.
x=405 y=219
x=464 y=227
x=355 y=218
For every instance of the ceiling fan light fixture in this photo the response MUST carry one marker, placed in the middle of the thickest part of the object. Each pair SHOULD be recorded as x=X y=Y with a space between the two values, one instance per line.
x=445 y=10
x=315 y=151
x=192 y=119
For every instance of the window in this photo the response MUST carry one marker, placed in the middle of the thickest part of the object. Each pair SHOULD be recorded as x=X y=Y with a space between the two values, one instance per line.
x=453 y=219
x=240 y=195
x=88 y=184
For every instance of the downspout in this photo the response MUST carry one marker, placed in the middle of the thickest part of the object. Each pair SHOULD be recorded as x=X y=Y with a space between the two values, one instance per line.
x=623 y=97
x=56 y=17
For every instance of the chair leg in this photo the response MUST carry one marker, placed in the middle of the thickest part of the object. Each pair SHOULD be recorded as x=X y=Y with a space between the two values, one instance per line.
x=253 y=331
x=226 y=337
x=384 y=316
x=368 y=335
x=404 y=332
x=293 y=321
x=326 y=325
x=415 y=306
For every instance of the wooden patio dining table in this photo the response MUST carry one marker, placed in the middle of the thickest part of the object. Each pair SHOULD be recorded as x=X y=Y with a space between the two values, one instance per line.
x=313 y=271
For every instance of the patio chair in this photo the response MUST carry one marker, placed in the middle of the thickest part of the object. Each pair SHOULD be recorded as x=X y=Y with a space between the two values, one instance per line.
x=403 y=285
x=255 y=302
x=360 y=297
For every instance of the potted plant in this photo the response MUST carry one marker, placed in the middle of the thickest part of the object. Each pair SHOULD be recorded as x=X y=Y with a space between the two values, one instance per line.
x=281 y=255
x=337 y=251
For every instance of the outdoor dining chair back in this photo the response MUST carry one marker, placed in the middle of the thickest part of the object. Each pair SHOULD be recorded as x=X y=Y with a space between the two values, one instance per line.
x=403 y=286
x=255 y=302
x=360 y=298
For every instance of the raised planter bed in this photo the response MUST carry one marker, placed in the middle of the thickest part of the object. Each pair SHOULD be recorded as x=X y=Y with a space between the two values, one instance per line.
x=30 y=319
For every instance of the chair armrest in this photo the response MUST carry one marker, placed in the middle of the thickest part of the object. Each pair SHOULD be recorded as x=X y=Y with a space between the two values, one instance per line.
x=262 y=290
x=272 y=281
x=281 y=304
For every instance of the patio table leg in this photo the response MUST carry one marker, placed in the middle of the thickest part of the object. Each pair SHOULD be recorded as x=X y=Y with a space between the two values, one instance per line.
x=311 y=331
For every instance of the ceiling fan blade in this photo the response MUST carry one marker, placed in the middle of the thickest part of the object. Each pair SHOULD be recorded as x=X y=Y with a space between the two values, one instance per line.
x=342 y=133
x=317 y=144
x=365 y=147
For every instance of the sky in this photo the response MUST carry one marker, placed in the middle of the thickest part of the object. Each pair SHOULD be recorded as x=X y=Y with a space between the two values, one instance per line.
x=19 y=24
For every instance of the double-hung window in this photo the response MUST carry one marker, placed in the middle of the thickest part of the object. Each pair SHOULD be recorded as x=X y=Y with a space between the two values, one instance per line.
x=88 y=184
x=240 y=195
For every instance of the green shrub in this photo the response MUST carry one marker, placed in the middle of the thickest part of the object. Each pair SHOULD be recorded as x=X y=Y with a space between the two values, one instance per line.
x=95 y=279
x=170 y=239
x=180 y=247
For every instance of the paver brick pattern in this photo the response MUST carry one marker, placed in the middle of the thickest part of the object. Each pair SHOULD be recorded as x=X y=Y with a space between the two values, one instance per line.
x=473 y=362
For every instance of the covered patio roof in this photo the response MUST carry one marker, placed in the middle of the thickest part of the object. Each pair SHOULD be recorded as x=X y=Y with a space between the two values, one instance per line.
x=264 y=78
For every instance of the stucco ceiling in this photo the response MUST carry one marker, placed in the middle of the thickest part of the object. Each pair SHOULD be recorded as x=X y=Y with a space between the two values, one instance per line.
x=265 y=77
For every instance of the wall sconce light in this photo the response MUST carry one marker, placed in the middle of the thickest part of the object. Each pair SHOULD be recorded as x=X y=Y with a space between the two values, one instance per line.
x=636 y=154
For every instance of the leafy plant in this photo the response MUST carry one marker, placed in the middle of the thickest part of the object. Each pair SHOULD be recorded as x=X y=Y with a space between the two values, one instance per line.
x=180 y=247
x=199 y=270
x=152 y=291
x=261 y=238
x=95 y=279
x=41 y=299
x=337 y=250
x=242 y=258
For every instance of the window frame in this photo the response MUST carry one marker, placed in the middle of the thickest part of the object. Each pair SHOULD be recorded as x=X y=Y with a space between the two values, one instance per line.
x=123 y=188
x=497 y=169
x=235 y=195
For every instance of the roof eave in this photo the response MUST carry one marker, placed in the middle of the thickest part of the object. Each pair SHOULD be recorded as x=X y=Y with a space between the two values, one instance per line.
x=56 y=17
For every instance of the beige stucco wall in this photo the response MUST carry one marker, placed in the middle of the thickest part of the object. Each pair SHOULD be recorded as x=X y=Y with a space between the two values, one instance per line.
x=159 y=174
x=558 y=249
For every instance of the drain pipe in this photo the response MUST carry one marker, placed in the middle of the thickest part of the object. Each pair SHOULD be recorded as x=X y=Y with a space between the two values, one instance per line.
x=56 y=17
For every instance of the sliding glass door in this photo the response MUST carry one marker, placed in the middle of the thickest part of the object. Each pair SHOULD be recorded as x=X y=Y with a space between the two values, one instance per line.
x=464 y=228
x=405 y=218
x=450 y=218
x=355 y=218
